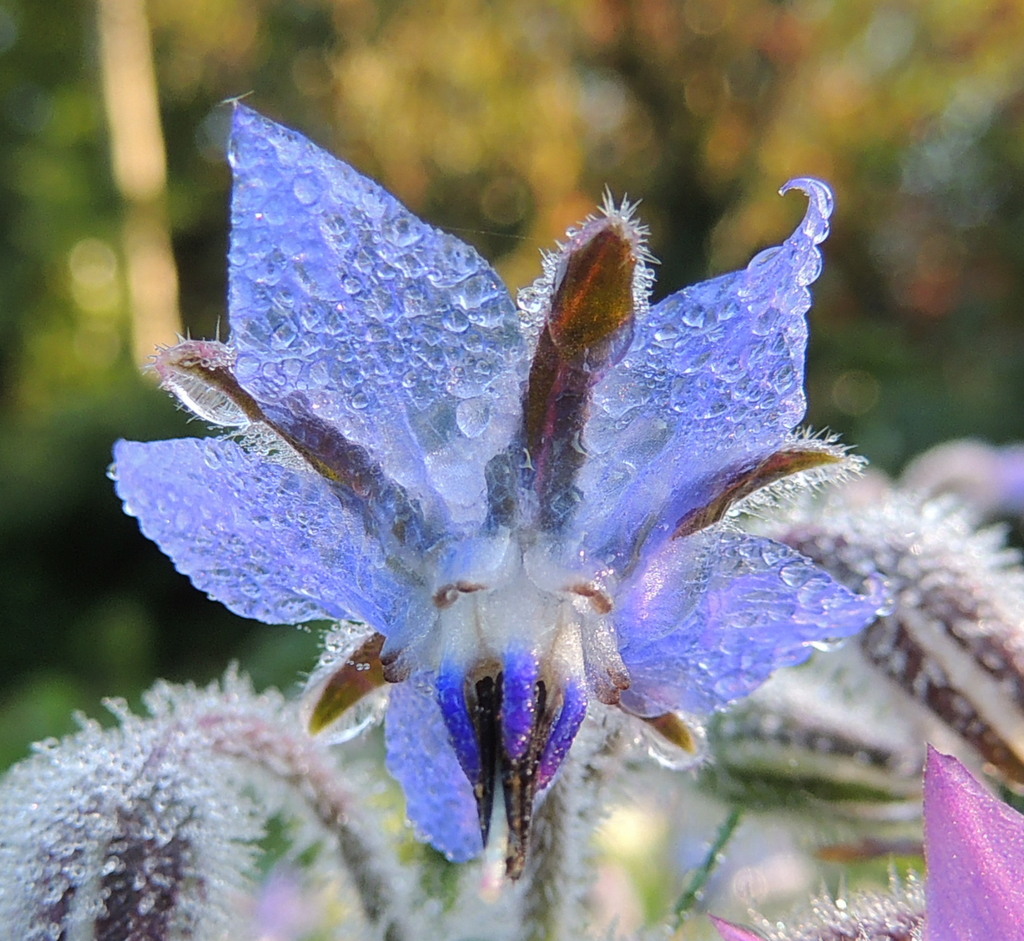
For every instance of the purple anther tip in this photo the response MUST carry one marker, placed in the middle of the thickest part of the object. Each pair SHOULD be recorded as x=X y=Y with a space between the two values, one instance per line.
x=451 y=699
x=564 y=730
x=519 y=702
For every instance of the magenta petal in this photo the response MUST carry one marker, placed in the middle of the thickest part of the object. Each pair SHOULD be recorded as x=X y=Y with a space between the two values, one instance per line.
x=974 y=846
x=731 y=932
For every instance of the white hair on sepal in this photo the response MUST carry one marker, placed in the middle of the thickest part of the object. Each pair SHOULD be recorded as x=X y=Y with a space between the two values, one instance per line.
x=152 y=828
x=802 y=486
x=952 y=640
x=534 y=300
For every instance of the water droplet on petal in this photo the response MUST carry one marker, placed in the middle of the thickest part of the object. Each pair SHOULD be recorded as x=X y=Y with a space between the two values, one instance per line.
x=472 y=416
x=825 y=645
x=794 y=574
x=455 y=320
x=306 y=189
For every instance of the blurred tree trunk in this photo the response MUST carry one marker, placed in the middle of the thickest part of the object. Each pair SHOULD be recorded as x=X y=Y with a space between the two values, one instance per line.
x=140 y=172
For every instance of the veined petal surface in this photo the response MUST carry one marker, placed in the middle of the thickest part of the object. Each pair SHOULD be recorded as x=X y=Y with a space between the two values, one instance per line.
x=268 y=541
x=439 y=799
x=710 y=617
x=399 y=334
x=974 y=845
x=714 y=378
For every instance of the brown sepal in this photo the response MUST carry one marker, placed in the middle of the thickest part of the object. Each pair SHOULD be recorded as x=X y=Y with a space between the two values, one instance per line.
x=358 y=676
x=735 y=484
x=674 y=730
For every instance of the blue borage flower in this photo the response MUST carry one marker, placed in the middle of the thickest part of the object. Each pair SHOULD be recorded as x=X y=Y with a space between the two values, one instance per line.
x=527 y=506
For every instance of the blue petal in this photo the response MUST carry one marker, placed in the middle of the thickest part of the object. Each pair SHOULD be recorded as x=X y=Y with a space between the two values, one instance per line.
x=714 y=377
x=400 y=335
x=439 y=799
x=710 y=617
x=270 y=542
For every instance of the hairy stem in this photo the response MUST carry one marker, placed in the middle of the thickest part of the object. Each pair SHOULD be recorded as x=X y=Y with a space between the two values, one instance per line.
x=556 y=883
x=699 y=878
x=294 y=759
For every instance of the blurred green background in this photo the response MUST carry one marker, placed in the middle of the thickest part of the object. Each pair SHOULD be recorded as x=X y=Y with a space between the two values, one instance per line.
x=502 y=121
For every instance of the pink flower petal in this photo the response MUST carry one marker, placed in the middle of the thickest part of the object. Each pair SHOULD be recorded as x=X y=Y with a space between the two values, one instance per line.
x=974 y=846
x=731 y=932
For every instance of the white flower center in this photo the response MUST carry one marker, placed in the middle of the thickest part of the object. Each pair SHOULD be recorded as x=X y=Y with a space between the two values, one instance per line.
x=496 y=596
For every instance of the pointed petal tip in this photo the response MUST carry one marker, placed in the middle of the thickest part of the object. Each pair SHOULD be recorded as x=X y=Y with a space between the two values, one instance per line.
x=821 y=203
x=820 y=194
x=947 y=782
x=242 y=116
x=936 y=762
x=241 y=113
x=251 y=132
x=973 y=846
x=245 y=126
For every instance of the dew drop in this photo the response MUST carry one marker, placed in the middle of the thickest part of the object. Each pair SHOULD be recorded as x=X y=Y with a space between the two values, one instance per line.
x=825 y=646
x=668 y=755
x=666 y=335
x=355 y=720
x=695 y=317
x=763 y=259
x=455 y=320
x=401 y=231
x=794 y=574
x=472 y=416
x=306 y=189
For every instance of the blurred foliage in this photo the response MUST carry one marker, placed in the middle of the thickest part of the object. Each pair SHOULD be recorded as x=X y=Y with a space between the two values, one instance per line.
x=502 y=121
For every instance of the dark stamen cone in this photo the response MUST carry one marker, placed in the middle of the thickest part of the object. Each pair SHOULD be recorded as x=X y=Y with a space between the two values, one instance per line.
x=519 y=782
x=514 y=761
x=485 y=713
